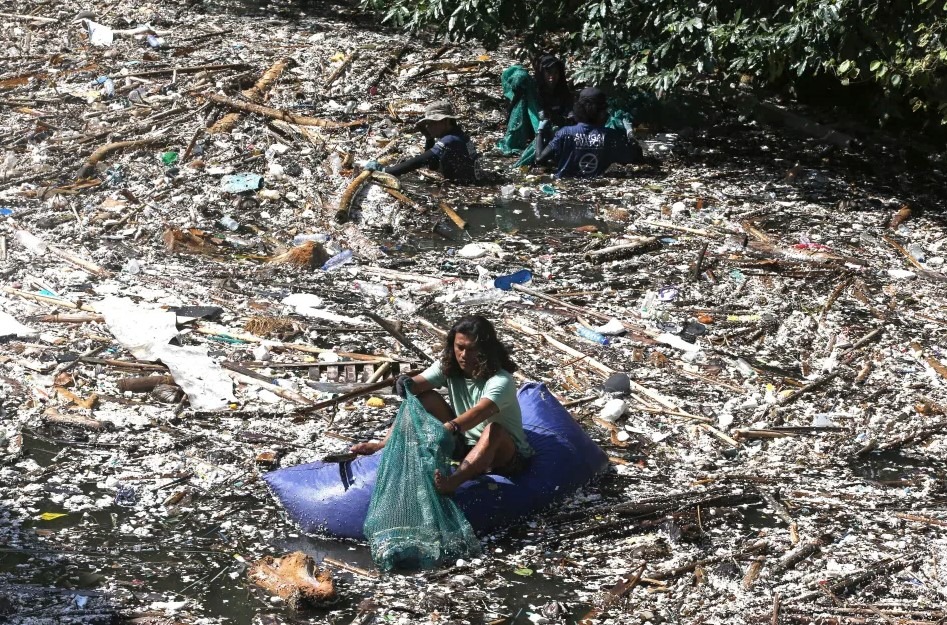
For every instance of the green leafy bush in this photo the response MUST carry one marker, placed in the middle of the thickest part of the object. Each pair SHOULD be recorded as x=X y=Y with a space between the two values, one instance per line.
x=895 y=51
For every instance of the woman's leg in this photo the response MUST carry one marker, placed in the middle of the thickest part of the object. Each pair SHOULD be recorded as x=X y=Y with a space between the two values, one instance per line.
x=432 y=402
x=495 y=448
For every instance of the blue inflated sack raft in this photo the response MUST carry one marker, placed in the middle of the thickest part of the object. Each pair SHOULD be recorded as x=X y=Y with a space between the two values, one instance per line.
x=332 y=497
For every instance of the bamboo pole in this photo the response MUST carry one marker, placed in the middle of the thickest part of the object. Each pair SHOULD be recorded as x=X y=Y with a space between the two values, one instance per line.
x=254 y=94
x=273 y=113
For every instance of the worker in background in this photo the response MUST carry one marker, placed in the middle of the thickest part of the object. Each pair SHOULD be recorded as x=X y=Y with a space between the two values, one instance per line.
x=447 y=148
x=587 y=148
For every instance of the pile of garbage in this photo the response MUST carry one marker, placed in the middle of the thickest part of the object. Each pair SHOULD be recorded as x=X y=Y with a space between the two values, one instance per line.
x=199 y=285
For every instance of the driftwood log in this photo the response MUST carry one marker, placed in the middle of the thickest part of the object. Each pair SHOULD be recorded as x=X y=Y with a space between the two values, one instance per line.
x=286 y=116
x=295 y=579
x=618 y=252
x=254 y=94
x=88 y=168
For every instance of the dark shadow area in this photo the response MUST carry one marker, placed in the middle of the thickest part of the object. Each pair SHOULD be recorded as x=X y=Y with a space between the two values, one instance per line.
x=330 y=10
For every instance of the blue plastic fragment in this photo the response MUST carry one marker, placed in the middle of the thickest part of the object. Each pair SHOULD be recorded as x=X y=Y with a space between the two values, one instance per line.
x=238 y=183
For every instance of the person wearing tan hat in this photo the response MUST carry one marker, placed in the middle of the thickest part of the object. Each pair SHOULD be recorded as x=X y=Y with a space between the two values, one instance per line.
x=447 y=148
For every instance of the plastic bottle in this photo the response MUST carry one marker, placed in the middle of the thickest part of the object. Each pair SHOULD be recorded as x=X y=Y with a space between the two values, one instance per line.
x=591 y=335
x=648 y=305
x=318 y=237
x=745 y=369
x=338 y=260
x=372 y=289
x=485 y=297
x=31 y=242
x=229 y=223
x=404 y=305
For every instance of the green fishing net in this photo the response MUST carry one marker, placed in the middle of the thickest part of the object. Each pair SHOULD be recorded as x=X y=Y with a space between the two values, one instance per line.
x=519 y=87
x=409 y=524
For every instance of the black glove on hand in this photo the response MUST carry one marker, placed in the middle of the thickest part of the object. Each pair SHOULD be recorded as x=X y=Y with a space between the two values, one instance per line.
x=402 y=386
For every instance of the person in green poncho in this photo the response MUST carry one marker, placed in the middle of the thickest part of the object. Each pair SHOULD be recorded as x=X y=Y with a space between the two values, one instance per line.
x=543 y=95
x=483 y=415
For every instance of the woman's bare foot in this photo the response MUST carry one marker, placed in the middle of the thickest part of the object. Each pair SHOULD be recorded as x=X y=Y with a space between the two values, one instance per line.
x=445 y=485
x=366 y=449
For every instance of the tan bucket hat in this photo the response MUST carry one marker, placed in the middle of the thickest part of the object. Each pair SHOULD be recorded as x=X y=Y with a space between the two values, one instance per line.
x=435 y=112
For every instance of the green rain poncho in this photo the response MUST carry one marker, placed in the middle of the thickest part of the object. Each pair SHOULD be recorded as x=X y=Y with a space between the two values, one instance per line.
x=519 y=87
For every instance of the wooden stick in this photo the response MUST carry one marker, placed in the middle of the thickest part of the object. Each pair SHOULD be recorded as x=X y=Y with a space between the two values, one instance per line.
x=404 y=199
x=832 y=297
x=797 y=555
x=89 y=166
x=670 y=226
x=559 y=302
x=885 y=567
x=863 y=341
x=903 y=251
x=371 y=388
x=77 y=261
x=380 y=372
x=700 y=261
x=399 y=336
x=920 y=519
x=29 y=18
x=452 y=214
x=250 y=338
x=615 y=593
x=924 y=271
x=71 y=318
x=341 y=68
x=783 y=513
x=345 y=202
x=618 y=252
x=46 y=299
x=808 y=388
x=350 y=567
x=718 y=434
x=286 y=116
x=690 y=566
x=389 y=66
x=53 y=416
x=189 y=70
x=240 y=374
x=144 y=384
x=254 y=94
x=123 y=364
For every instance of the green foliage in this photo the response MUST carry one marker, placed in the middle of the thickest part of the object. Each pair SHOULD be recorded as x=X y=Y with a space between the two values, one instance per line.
x=896 y=48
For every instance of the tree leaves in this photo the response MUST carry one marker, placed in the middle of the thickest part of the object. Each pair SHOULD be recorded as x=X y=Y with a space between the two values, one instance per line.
x=663 y=44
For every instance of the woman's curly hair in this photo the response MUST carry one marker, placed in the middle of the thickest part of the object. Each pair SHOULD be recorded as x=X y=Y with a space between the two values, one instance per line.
x=493 y=354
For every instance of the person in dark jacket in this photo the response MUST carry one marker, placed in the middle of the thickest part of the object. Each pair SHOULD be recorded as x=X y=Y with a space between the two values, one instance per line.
x=555 y=95
x=447 y=149
x=586 y=149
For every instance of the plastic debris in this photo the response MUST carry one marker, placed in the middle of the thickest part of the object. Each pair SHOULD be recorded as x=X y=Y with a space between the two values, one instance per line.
x=240 y=183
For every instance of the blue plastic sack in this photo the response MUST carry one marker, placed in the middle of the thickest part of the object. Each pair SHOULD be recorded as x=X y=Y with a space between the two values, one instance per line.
x=333 y=498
